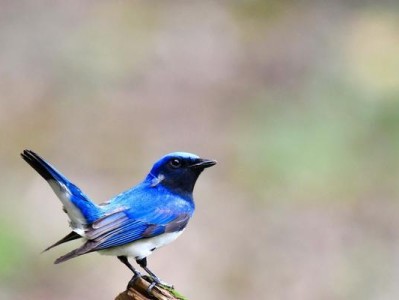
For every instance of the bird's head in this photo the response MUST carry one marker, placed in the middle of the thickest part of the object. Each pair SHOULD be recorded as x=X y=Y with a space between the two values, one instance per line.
x=178 y=171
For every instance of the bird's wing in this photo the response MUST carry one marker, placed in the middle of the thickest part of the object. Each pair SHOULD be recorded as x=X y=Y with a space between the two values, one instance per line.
x=118 y=229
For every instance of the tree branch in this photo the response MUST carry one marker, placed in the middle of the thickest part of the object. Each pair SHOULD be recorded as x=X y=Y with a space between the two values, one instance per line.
x=137 y=290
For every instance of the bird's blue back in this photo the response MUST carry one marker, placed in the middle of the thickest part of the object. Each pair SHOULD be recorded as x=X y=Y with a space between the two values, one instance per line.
x=144 y=198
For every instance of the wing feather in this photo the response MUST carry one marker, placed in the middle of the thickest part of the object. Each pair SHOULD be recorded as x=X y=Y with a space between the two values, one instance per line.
x=118 y=229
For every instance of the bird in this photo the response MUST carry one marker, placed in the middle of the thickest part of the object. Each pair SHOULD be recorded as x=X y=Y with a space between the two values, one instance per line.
x=137 y=221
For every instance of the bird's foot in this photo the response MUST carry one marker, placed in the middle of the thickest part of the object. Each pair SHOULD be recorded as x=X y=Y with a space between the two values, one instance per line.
x=150 y=287
x=153 y=282
x=132 y=281
x=156 y=281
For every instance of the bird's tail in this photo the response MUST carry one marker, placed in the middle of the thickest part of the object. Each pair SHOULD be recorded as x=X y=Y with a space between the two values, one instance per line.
x=85 y=248
x=70 y=237
x=80 y=209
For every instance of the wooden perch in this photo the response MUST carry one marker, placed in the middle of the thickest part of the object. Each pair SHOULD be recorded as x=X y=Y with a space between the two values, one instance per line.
x=137 y=290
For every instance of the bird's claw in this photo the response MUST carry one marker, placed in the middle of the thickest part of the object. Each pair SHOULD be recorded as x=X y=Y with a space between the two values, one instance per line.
x=150 y=287
x=154 y=281
x=134 y=278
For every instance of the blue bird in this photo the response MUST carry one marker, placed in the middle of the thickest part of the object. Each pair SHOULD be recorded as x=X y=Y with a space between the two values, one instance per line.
x=134 y=223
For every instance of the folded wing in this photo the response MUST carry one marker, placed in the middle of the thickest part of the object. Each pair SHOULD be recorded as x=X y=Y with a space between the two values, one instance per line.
x=117 y=229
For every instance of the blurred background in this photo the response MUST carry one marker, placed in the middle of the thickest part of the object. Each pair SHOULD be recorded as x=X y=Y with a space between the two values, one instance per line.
x=297 y=100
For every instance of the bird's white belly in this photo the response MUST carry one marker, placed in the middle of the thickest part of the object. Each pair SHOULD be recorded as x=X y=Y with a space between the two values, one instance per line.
x=142 y=248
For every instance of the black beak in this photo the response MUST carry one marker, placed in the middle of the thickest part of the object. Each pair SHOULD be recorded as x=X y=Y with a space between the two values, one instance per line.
x=203 y=163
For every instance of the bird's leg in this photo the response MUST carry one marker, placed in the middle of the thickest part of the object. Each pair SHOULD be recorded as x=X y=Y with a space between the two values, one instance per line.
x=143 y=263
x=124 y=260
x=136 y=273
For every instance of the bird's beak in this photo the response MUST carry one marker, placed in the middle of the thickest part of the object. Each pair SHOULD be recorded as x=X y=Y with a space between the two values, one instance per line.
x=203 y=163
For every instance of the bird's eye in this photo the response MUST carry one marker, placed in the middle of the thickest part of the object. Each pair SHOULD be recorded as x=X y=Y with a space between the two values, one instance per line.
x=175 y=163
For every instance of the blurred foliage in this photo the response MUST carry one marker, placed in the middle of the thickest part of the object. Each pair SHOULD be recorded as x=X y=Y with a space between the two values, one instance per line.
x=12 y=253
x=95 y=56
x=375 y=66
x=325 y=138
x=297 y=100
x=260 y=11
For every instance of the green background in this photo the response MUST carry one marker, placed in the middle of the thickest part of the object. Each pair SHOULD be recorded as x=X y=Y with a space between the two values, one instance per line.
x=297 y=100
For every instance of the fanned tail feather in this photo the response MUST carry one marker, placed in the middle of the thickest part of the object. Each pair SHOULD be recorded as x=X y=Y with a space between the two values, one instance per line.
x=70 y=237
x=80 y=209
x=38 y=163
x=86 y=248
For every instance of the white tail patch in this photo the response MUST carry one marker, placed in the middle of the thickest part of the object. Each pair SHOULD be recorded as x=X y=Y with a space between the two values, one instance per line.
x=77 y=221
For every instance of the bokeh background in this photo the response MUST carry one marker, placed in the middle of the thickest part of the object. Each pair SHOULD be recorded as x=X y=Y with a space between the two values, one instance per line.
x=297 y=100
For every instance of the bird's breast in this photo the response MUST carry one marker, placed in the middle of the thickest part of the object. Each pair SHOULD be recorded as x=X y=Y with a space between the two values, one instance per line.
x=144 y=247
